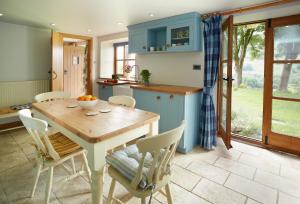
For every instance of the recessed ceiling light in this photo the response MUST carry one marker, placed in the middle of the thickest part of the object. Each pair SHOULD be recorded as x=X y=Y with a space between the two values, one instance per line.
x=89 y=30
x=151 y=14
x=52 y=24
x=119 y=23
x=1 y=14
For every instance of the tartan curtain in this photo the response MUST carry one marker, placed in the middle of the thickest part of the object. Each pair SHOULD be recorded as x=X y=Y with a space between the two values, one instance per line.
x=212 y=43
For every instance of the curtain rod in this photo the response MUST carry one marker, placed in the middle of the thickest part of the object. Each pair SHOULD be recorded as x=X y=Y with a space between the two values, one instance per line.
x=249 y=8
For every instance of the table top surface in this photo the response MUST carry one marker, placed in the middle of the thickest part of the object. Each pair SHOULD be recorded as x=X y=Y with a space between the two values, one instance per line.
x=99 y=127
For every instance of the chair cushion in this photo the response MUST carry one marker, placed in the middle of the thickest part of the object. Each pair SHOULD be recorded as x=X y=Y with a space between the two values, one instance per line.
x=127 y=161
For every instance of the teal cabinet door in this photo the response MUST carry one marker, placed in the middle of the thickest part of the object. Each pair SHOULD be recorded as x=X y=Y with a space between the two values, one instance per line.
x=137 y=41
x=105 y=92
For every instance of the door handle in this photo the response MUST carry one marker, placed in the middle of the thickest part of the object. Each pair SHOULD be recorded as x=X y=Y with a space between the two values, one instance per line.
x=65 y=71
x=226 y=79
x=54 y=75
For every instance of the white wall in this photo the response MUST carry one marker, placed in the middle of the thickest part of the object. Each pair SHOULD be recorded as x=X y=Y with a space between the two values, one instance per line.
x=25 y=52
x=107 y=59
x=173 y=68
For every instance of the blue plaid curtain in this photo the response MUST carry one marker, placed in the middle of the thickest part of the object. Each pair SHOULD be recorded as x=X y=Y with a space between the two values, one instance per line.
x=212 y=32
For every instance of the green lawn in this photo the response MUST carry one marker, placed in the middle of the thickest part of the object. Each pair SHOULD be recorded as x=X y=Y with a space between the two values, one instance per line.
x=247 y=108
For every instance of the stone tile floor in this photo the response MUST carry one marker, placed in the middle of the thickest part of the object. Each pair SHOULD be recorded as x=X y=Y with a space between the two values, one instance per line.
x=245 y=174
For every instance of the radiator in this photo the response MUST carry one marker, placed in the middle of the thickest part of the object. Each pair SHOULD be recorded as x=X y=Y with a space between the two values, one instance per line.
x=21 y=92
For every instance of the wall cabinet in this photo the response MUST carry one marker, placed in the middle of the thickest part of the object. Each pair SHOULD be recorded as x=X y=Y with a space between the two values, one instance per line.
x=105 y=92
x=180 y=33
x=173 y=109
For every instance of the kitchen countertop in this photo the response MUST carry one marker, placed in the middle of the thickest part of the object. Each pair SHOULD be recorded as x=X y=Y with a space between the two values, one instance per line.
x=120 y=82
x=181 y=90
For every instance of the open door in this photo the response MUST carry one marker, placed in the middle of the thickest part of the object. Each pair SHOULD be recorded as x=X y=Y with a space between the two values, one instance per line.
x=225 y=83
x=57 y=83
x=282 y=92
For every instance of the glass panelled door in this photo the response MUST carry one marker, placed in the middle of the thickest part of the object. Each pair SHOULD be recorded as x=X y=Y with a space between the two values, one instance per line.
x=225 y=83
x=283 y=79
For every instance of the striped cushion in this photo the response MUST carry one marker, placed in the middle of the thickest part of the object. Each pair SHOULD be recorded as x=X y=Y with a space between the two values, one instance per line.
x=127 y=161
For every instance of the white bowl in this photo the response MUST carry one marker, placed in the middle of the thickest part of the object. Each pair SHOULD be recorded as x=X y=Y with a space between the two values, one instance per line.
x=87 y=104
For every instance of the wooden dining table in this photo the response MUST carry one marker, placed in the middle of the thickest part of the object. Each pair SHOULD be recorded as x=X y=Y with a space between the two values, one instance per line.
x=99 y=133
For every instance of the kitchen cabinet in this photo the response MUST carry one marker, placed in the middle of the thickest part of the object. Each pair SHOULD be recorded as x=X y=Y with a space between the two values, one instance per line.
x=105 y=91
x=173 y=108
x=138 y=39
x=180 y=33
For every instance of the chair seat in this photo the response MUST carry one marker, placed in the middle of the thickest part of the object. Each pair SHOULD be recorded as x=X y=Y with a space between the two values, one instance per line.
x=126 y=162
x=62 y=145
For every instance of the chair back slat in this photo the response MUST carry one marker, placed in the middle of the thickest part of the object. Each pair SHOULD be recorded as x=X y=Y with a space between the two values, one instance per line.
x=127 y=101
x=50 y=96
x=152 y=169
x=138 y=177
x=163 y=148
x=38 y=130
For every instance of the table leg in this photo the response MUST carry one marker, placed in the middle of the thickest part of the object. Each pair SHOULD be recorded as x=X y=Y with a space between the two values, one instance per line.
x=153 y=129
x=96 y=159
x=97 y=186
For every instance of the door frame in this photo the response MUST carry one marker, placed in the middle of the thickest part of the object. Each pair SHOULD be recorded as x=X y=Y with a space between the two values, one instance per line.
x=277 y=139
x=59 y=62
x=267 y=95
x=241 y=137
x=225 y=135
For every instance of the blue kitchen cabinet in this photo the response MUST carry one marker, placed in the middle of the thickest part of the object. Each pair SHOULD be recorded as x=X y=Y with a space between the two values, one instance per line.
x=181 y=33
x=138 y=39
x=173 y=108
x=105 y=92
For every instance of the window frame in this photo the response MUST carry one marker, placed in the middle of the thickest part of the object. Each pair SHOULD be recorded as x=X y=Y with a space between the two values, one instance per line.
x=116 y=45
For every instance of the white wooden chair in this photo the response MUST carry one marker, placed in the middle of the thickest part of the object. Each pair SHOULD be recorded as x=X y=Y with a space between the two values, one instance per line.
x=49 y=96
x=155 y=171
x=127 y=101
x=52 y=150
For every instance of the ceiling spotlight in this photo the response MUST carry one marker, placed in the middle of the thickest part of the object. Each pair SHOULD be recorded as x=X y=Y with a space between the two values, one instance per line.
x=1 y=14
x=89 y=30
x=119 y=23
x=151 y=14
x=52 y=24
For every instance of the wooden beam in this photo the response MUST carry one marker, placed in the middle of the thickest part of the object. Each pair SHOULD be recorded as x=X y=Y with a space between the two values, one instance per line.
x=250 y=8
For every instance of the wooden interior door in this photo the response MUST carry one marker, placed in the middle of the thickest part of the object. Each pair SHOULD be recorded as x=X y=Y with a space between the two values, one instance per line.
x=282 y=84
x=74 y=65
x=225 y=83
x=57 y=62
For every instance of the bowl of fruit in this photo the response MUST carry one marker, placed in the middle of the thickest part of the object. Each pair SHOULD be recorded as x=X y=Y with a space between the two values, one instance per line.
x=87 y=101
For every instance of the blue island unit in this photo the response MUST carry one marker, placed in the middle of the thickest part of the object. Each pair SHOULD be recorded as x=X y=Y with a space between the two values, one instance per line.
x=173 y=108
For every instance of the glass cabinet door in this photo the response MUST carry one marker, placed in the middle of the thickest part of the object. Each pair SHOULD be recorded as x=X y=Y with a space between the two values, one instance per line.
x=180 y=37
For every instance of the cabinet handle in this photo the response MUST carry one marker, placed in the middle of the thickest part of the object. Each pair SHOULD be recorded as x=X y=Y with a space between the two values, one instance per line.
x=157 y=97
x=171 y=96
x=103 y=87
x=144 y=47
x=168 y=45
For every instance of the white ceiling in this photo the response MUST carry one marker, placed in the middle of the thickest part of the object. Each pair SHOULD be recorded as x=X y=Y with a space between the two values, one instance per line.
x=102 y=17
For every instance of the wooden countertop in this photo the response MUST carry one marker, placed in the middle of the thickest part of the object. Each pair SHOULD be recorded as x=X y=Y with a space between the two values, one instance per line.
x=99 y=127
x=181 y=90
x=120 y=82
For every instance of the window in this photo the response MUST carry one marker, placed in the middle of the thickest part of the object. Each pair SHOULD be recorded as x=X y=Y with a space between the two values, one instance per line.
x=122 y=59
